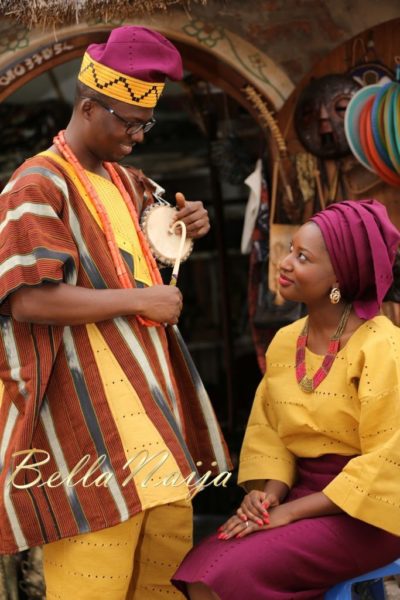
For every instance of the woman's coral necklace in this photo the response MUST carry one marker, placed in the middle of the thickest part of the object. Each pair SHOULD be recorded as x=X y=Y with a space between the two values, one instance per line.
x=309 y=384
x=119 y=264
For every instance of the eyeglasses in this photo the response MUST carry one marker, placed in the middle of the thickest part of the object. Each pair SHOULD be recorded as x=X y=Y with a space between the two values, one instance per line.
x=131 y=127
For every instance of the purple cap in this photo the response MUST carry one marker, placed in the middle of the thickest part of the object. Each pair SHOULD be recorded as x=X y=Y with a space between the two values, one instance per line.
x=140 y=53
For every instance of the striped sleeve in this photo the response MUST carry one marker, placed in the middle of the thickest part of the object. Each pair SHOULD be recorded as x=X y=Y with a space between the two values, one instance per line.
x=141 y=187
x=36 y=245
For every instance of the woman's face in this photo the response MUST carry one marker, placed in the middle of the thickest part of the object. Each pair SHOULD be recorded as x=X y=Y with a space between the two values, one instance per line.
x=306 y=273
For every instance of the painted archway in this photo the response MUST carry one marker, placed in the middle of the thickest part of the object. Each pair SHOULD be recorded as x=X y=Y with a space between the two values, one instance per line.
x=210 y=51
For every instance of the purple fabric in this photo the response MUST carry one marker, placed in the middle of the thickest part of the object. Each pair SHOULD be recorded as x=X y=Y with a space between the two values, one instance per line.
x=139 y=52
x=362 y=243
x=300 y=561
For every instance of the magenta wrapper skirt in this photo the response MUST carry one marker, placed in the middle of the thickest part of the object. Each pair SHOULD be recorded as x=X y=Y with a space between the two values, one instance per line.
x=300 y=561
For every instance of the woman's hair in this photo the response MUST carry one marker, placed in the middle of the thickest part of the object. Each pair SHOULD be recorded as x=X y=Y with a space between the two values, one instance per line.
x=393 y=293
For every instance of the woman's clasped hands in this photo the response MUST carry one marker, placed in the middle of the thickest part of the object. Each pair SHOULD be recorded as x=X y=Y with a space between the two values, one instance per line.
x=258 y=511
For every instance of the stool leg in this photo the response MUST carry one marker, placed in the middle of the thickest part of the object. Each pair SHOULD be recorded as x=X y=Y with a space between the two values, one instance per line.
x=369 y=590
x=378 y=589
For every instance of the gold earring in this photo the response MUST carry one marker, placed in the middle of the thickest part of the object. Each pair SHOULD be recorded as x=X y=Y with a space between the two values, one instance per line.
x=335 y=295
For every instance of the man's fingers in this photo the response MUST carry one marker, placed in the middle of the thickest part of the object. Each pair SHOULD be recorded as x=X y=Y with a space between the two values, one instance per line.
x=186 y=208
x=203 y=230
x=196 y=226
x=190 y=214
x=180 y=200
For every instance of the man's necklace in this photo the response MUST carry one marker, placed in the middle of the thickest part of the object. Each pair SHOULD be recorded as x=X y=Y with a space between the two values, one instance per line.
x=119 y=264
x=309 y=384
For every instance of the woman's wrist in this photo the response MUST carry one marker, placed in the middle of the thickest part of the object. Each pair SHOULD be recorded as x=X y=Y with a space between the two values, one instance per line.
x=313 y=505
x=277 y=489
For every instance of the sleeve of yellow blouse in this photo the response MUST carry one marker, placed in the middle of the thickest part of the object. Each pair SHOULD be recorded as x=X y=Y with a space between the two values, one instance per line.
x=263 y=455
x=368 y=487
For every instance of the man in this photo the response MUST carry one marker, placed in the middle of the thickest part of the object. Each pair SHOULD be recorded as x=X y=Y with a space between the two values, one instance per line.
x=104 y=419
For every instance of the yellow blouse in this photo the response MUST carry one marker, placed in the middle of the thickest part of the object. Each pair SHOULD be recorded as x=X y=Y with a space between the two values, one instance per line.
x=355 y=411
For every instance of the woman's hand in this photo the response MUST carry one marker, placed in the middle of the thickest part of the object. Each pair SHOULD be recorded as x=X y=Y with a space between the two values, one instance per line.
x=254 y=507
x=281 y=515
x=235 y=527
x=307 y=507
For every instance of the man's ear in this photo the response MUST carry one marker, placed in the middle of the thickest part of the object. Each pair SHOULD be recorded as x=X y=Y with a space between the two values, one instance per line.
x=86 y=108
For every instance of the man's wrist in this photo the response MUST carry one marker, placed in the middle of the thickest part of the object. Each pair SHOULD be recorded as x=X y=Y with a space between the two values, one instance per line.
x=137 y=302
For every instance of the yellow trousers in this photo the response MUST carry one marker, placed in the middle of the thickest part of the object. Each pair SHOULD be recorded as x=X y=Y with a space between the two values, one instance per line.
x=131 y=561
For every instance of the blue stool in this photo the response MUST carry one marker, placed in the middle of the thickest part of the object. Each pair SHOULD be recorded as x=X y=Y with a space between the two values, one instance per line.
x=342 y=591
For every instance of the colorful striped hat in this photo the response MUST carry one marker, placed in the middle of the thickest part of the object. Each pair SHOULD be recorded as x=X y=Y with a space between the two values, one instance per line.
x=131 y=66
x=372 y=127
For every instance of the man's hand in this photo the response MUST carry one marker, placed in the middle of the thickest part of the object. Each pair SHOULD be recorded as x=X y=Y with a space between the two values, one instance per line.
x=161 y=303
x=194 y=215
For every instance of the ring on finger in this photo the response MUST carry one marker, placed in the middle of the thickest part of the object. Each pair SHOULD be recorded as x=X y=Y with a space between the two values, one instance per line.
x=246 y=524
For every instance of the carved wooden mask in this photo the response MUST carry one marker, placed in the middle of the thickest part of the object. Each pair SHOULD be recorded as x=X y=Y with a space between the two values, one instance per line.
x=319 y=115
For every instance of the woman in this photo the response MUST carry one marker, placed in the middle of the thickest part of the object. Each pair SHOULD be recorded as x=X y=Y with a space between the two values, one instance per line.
x=321 y=453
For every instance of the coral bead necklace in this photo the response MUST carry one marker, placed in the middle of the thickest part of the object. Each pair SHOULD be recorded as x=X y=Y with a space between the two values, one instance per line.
x=118 y=261
x=309 y=384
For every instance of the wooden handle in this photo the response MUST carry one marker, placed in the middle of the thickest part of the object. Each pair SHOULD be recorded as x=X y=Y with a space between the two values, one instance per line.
x=175 y=271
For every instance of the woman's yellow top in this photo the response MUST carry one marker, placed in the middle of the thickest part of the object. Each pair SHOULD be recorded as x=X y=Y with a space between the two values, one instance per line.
x=355 y=411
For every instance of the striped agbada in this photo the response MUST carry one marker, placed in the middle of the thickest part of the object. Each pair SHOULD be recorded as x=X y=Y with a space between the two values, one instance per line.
x=54 y=399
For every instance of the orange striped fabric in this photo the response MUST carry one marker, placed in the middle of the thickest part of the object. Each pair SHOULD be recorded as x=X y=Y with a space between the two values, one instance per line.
x=54 y=403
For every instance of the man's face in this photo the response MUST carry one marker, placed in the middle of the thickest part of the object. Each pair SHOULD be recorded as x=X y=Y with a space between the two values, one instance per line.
x=115 y=127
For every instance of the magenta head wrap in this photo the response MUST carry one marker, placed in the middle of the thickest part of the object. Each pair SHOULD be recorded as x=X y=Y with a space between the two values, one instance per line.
x=362 y=243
